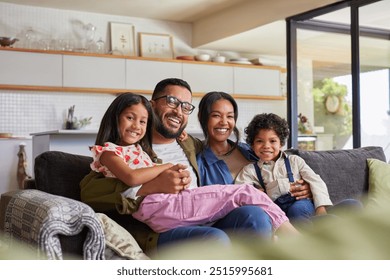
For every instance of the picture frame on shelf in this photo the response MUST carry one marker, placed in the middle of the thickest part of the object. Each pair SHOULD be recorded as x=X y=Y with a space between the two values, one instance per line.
x=156 y=45
x=122 y=39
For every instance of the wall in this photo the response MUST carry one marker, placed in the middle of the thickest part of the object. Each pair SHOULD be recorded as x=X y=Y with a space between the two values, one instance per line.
x=25 y=112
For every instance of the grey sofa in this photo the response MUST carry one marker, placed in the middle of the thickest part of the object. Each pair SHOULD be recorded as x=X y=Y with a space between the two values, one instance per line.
x=59 y=174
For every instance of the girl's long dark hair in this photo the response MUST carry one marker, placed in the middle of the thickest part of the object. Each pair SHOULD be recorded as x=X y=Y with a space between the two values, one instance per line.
x=109 y=126
x=205 y=105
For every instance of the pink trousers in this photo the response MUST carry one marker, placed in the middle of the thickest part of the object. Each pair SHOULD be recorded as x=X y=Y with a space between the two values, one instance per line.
x=203 y=205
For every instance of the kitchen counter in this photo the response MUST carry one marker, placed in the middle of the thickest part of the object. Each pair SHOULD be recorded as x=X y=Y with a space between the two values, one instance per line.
x=70 y=141
x=66 y=132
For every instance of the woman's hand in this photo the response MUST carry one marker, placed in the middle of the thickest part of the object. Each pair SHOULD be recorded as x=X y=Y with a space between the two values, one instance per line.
x=183 y=136
x=300 y=190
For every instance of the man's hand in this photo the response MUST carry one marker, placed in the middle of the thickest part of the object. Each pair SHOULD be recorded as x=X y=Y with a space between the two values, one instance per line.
x=300 y=190
x=172 y=180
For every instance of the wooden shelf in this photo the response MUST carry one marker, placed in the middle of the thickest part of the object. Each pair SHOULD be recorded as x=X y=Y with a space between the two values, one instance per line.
x=86 y=89
x=144 y=58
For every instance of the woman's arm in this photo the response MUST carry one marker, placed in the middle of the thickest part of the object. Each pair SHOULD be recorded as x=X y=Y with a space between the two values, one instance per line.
x=130 y=176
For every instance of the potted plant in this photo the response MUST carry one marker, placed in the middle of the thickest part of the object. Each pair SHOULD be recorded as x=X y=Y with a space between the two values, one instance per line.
x=332 y=110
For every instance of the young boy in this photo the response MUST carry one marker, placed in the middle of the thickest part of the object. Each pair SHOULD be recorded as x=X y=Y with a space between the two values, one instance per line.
x=276 y=172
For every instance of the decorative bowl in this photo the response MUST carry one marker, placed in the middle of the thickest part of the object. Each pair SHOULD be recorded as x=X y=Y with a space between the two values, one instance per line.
x=202 y=57
x=7 y=41
x=219 y=59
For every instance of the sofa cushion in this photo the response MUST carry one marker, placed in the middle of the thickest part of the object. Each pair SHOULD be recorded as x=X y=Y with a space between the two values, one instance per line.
x=379 y=182
x=60 y=173
x=345 y=172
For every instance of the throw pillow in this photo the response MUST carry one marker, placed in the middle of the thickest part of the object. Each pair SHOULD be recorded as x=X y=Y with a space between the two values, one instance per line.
x=379 y=182
x=119 y=241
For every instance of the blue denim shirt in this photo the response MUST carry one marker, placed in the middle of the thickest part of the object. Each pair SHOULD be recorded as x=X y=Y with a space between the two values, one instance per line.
x=215 y=171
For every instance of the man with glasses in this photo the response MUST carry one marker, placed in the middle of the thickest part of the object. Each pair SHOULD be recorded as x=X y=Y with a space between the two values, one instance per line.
x=171 y=102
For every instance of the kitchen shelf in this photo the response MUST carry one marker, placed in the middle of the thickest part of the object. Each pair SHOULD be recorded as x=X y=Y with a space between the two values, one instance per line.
x=120 y=78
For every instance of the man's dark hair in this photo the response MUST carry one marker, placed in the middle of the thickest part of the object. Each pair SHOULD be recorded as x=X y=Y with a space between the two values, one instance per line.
x=160 y=87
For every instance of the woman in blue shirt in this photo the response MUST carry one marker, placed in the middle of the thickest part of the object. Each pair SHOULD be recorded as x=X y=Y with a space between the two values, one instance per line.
x=222 y=158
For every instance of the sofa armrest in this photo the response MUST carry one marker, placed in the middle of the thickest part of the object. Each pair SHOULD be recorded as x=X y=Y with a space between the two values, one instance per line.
x=4 y=200
x=42 y=220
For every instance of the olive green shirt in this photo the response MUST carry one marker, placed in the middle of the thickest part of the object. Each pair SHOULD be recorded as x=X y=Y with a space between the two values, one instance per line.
x=104 y=194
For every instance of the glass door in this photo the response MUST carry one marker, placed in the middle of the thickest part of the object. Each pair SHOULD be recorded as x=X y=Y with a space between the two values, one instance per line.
x=324 y=99
x=375 y=75
x=339 y=78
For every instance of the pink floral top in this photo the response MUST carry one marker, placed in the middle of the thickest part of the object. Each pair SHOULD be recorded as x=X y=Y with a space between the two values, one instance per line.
x=133 y=155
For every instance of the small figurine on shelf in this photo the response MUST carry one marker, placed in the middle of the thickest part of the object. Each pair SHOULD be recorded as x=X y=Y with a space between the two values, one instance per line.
x=21 y=173
x=304 y=126
x=70 y=119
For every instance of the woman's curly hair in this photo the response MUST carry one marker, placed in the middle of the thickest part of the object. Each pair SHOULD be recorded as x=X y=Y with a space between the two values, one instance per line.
x=267 y=121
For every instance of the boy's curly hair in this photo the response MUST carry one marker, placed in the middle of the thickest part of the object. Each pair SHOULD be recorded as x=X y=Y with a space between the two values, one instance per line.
x=267 y=121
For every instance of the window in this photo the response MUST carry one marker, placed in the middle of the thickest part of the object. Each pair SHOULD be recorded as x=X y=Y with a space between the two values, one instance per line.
x=335 y=64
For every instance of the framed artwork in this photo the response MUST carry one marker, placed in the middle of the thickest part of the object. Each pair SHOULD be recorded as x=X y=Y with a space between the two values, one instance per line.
x=156 y=45
x=122 y=39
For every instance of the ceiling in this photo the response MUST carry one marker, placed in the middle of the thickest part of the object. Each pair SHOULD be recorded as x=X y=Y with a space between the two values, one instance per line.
x=244 y=26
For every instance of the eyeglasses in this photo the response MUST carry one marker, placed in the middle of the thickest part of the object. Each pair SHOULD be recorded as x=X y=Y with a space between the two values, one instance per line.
x=173 y=102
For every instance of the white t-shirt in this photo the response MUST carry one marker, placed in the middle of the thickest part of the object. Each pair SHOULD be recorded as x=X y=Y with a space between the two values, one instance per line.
x=173 y=153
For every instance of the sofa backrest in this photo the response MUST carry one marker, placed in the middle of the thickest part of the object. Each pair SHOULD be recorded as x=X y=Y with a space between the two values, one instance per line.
x=345 y=172
x=60 y=173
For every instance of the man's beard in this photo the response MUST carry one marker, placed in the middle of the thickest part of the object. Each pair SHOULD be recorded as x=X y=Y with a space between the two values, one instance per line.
x=166 y=132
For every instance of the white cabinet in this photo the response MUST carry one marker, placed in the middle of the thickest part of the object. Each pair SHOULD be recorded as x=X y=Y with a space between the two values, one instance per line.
x=145 y=74
x=254 y=81
x=94 y=72
x=69 y=141
x=30 y=69
x=57 y=71
x=205 y=78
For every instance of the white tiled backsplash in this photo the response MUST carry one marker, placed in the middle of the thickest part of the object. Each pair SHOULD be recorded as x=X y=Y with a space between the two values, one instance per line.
x=28 y=112
x=22 y=113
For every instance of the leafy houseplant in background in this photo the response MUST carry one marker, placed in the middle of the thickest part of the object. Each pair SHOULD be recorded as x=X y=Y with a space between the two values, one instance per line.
x=81 y=123
x=332 y=110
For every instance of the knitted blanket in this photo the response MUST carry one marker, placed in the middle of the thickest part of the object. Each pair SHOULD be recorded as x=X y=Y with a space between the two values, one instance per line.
x=38 y=218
